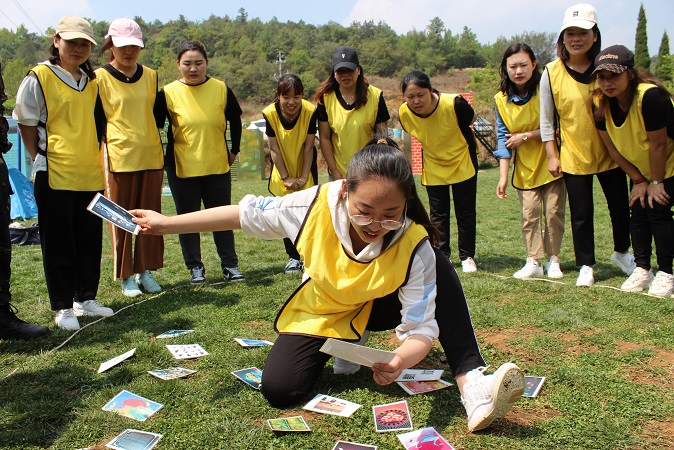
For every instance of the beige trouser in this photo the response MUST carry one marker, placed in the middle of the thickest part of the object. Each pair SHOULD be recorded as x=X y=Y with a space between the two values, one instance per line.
x=548 y=200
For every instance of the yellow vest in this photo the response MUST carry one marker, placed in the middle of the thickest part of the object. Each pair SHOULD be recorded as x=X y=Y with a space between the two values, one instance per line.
x=133 y=141
x=530 y=160
x=631 y=139
x=582 y=152
x=445 y=152
x=351 y=130
x=73 y=156
x=336 y=300
x=291 y=145
x=199 y=125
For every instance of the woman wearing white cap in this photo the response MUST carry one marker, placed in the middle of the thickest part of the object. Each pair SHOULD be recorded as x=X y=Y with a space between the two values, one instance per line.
x=349 y=110
x=133 y=157
x=634 y=114
x=565 y=90
x=55 y=108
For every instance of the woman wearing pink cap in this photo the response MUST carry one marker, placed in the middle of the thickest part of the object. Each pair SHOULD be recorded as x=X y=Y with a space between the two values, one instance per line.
x=573 y=145
x=132 y=154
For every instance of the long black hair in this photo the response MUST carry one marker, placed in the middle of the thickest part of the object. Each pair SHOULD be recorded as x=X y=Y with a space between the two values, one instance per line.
x=507 y=85
x=55 y=58
x=381 y=158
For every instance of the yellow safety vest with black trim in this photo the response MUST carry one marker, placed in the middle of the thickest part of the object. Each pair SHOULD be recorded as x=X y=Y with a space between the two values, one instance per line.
x=351 y=129
x=530 y=159
x=445 y=152
x=198 y=124
x=631 y=139
x=73 y=156
x=582 y=151
x=132 y=138
x=336 y=300
x=291 y=144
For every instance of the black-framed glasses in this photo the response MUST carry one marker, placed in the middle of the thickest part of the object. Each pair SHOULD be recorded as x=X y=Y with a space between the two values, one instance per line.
x=363 y=220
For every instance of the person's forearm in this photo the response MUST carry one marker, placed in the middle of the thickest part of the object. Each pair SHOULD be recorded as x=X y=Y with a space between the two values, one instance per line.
x=30 y=139
x=308 y=157
x=221 y=218
x=277 y=158
x=413 y=350
x=504 y=167
x=325 y=134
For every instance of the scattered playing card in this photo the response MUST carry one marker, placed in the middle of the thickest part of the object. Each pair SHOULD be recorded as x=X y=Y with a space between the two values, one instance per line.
x=188 y=351
x=134 y=440
x=425 y=438
x=171 y=373
x=116 y=360
x=133 y=406
x=421 y=387
x=532 y=386
x=295 y=423
x=420 y=375
x=344 y=445
x=365 y=356
x=252 y=376
x=332 y=405
x=252 y=342
x=392 y=417
x=173 y=333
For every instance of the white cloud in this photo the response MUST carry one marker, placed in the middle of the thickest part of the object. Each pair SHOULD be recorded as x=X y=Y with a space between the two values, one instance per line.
x=45 y=13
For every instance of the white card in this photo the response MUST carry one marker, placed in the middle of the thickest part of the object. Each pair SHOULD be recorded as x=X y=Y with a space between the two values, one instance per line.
x=116 y=360
x=365 y=356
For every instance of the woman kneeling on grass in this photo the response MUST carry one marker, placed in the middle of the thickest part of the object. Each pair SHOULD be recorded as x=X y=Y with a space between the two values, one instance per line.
x=635 y=119
x=361 y=227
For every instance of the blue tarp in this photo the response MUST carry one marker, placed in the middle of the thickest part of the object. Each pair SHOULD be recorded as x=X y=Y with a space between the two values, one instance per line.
x=22 y=200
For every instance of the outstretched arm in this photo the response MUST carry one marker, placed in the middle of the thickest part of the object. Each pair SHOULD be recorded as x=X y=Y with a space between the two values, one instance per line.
x=213 y=219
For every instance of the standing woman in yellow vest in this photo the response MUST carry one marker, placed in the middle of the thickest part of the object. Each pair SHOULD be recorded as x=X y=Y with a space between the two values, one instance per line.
x=441 y=122
x=635 y=118
x=55 y=108
x=349 y=110
x=291 y=129
x=133 y=157
x=197 y=158
x=566 y=112
x=369 y=265
x=540 y=193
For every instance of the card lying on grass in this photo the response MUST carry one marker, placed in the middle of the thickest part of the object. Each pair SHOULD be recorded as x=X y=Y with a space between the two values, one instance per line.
x=344 y=445
x=532 y=386
x=420 y=375
x=424 y=438
x=326 y=404
x=173 y=333
x=116 y=360
x=133 y=406
x=421 y=387
x=252 y=342
x=188 y=351
x=171 y=373
x=392 y=417
x=365 y=356
x=108 y=210
x=134 y=440
x=252 y=376
x=295 y=423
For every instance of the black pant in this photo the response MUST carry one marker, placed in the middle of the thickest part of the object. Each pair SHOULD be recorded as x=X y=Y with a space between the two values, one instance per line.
x=295 y=362
x=291 y=250
x=654 y=224
x=5 y=242
x=188 y=193
x=71 y=238
x=581 y=206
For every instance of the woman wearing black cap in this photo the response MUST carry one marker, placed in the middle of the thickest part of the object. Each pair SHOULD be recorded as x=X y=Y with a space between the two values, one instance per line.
x=349 y=111
x=634 y=114
x=573 y=145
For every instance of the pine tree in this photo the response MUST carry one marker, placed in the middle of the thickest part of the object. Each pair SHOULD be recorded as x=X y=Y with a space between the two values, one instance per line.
x=664 y=69
x=641 y=58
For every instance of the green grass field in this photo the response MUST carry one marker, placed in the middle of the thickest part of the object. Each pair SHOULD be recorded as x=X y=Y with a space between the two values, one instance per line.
x=608 y=356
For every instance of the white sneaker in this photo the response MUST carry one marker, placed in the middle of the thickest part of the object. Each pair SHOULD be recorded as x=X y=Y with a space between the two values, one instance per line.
x=91 y=308
x=638 y=281
x=468 y=265
x=662 y=285
x=531 y=269
x=552 y=268
x=147 y=282
x=342 y=366
x=65 y=318
x=585 y=277
x=625 y=261
x=489 y=397
x=130 y=287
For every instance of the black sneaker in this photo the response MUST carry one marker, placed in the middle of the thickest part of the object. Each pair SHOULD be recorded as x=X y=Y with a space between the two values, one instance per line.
x=232 y=274
x=197 y=275
x=11 y=327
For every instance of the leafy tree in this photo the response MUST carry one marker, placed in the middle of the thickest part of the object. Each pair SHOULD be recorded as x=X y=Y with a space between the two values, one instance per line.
x=13 y=73
x=664 y=68
x=641 y=58
x=484 y=84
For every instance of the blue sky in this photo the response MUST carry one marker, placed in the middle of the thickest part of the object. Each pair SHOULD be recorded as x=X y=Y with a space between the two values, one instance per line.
x=486 y=18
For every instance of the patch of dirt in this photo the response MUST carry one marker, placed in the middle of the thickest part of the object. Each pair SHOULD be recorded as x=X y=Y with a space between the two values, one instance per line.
x=644 y=374
x=659 y=434
x=256 y=324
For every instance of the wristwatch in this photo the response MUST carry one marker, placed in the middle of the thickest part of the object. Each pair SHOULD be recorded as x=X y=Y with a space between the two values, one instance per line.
x=655 y=182
x=525 y=137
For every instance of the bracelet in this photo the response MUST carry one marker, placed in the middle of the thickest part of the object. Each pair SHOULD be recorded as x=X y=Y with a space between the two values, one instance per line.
x=639 y=181
x=302 y=180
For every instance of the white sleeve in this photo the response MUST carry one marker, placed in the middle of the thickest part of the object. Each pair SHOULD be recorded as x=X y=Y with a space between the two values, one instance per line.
x=547 y=108
x=275 y=217
x=417 y=297
x=30 y=105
